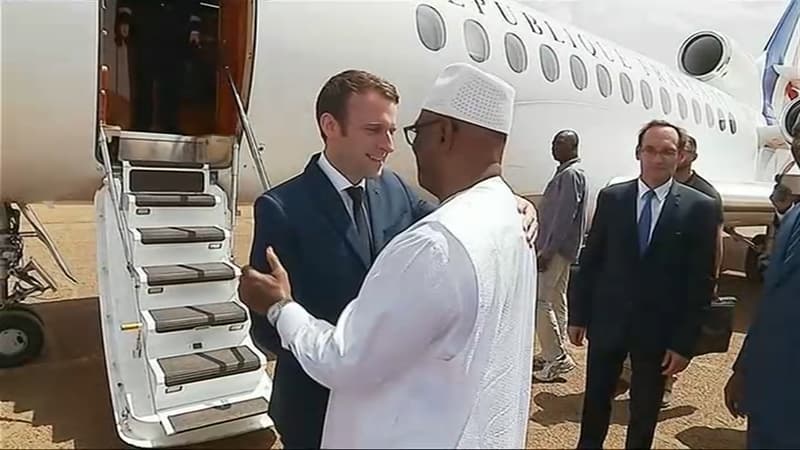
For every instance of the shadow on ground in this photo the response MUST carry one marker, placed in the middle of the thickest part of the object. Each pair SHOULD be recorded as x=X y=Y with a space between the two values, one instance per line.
x=557 y=409
x=66 y=388
x=712 y=438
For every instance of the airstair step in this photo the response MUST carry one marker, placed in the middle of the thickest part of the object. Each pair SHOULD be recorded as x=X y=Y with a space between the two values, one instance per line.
x=181 y=235
x=203 y=366
x=155 y=180
x=174 y=200
x=188 y=273
x=189 y=317
x=166 y=164
x=218 y=414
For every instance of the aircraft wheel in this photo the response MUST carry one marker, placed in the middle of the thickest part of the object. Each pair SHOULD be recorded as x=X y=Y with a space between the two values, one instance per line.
x=21 y=336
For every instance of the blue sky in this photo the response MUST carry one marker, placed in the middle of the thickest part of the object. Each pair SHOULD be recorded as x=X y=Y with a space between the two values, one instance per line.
x=658 y=27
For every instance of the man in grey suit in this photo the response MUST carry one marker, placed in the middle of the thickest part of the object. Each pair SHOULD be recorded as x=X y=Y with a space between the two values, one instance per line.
x=763 y=385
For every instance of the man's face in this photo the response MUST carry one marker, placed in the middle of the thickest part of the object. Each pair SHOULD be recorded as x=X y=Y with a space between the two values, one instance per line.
x=686 y=156
x=561 y=148
x=366 y=137
x=658 y=154
x=425 y=138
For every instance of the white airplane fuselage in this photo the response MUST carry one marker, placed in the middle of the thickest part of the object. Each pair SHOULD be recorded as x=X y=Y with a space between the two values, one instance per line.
x=50 y=84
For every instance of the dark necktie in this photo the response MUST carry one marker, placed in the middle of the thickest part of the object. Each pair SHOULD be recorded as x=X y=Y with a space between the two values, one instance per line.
x=357 y=194
x=645 y=220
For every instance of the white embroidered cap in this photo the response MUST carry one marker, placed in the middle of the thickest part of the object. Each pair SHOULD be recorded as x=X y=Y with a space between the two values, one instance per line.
x=464 y=92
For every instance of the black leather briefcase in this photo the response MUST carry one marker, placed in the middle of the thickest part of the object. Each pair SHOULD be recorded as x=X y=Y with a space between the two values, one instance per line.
x=715 y=333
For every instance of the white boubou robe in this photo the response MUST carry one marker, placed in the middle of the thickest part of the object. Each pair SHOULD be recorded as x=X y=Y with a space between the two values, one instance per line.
x=436 y=350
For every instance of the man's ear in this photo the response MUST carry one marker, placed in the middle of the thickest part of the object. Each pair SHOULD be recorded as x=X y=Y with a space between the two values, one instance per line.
x=330 y=126
x=637 y=153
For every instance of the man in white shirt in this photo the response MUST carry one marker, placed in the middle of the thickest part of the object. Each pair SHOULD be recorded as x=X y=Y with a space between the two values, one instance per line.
x=436 y=349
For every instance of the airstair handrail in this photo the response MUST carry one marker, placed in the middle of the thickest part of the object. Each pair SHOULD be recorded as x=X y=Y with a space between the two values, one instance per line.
x=248 y=131
x=122 y=223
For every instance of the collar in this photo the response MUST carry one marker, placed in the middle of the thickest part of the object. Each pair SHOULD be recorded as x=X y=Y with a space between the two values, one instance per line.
x=568 y=163
x=661 y=191
x=339 y=181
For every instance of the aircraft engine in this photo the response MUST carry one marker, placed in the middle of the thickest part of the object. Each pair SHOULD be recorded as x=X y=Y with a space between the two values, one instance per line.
x=716 y=59
x=788 y=117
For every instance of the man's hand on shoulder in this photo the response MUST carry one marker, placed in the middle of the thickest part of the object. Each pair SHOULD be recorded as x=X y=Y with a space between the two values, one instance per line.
x=530 y=220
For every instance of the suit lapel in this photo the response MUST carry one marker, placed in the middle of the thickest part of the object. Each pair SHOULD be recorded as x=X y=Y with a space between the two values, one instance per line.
x=376 y=215
x=632 y=224
x=330 y=203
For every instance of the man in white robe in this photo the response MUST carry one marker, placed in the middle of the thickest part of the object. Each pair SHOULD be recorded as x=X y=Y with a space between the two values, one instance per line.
x=436 y=349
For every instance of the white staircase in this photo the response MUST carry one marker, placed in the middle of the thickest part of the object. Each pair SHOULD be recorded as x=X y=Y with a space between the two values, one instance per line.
x=181 y=365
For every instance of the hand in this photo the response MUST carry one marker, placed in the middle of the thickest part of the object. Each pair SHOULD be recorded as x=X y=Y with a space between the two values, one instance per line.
x=530 y=220
x=194 y=38
x=673 y=363
x=734 y=394
x=124 y=30
x=260 y=291
x=543 y=261
x=576 y=335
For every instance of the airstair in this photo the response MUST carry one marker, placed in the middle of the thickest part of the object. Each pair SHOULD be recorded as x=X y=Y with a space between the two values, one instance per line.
x=181 y=365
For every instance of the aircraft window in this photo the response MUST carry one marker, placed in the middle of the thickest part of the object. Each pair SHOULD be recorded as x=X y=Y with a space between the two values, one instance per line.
x=477 y=41
x=683 y=109
x=733 y=123
x=604 y=81
x=515 y=53
x=550 y=67
x=698 y=111
x=647 y=94
x=722 y=120
x=666 y=104
x=430 y=28
x=709 y=116
x=627 y=87
x=579 y=76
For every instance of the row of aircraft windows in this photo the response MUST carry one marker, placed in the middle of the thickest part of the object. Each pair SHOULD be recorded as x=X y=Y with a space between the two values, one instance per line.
x=432 y=33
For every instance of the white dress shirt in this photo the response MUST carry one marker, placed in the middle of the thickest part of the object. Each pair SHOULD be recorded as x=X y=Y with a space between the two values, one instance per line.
x=656 y=203
x=341 y=183
x=436 y=349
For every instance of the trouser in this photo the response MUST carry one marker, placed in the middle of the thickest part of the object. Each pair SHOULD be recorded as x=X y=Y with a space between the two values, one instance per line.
x=626 y=375
x=551 y=312
x=164 y=72
x=647 y=387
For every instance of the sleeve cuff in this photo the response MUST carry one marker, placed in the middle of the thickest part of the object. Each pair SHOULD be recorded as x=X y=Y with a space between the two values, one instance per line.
x=292 y=317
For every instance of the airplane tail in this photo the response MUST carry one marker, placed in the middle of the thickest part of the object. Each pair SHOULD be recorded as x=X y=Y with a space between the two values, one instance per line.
x=781 y=65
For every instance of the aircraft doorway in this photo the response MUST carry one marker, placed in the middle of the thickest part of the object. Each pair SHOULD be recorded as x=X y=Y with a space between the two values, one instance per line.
x=166 y=64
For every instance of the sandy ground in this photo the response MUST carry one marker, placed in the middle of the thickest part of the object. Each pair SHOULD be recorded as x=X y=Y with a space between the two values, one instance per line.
x=61 y=400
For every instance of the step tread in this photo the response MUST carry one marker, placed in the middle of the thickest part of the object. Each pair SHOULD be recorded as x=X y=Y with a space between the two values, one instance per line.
x=203 y=366
x=165 y=164
x=188 y=273
x=174 y=200
x=178 y=235
x=189 y=317
x=218 y=414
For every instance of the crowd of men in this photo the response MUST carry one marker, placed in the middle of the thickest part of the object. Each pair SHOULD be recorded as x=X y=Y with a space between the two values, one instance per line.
x=400 y=323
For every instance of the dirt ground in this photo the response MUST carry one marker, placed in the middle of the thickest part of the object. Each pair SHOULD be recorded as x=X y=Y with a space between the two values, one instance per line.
x=61 y=399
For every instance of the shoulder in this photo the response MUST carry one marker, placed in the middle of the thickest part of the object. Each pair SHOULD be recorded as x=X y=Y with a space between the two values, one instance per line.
x=429 y=242
x=693 y=195
x=391 y=182
x=279 y=196
x=616 y=190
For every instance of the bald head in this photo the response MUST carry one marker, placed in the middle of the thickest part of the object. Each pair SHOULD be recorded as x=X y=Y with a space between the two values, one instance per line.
x=565 y=145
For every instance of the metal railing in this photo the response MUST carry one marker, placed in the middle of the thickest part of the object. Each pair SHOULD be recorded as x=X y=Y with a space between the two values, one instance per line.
x=116 y=200
x=248 y=132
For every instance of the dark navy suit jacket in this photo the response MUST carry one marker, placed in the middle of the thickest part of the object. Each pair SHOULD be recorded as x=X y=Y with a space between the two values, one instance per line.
x=770 y=355
x=653 y=302
x=306 y=223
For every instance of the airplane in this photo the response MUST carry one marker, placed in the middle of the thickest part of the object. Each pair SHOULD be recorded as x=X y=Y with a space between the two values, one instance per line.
x=181 y=365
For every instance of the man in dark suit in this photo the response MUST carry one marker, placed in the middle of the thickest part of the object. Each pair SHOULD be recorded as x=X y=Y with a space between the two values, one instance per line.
x=328 y=224
x=764 y=382
x=645 y=278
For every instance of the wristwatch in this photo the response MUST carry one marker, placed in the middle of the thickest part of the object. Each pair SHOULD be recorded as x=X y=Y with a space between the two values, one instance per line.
x=274 y=311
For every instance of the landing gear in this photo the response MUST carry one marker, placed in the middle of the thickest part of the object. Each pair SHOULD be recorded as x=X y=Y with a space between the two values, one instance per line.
x=21 y=329
x=21 y=336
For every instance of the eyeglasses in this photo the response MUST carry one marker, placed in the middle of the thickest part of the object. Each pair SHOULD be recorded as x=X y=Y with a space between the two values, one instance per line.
x=411 y=131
